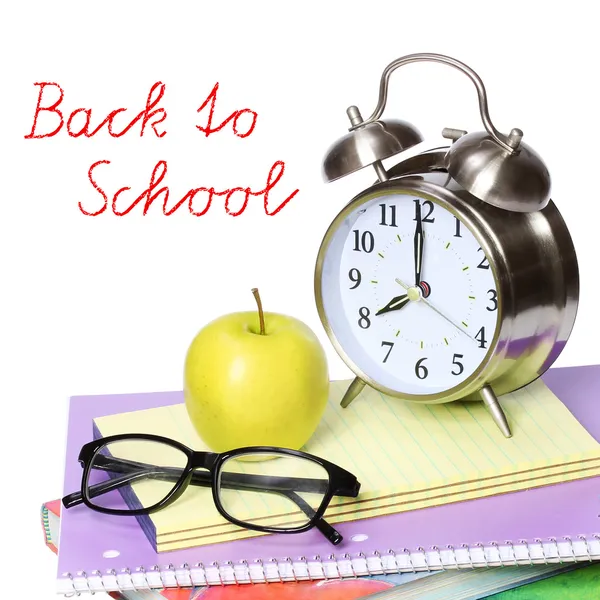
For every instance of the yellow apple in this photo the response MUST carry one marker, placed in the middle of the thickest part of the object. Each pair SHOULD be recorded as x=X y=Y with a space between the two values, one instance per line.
x=247 y=388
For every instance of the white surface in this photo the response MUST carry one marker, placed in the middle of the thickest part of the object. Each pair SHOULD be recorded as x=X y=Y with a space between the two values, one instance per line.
x=109 y=304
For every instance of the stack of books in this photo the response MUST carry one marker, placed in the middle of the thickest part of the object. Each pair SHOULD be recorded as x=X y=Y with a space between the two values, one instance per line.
x=443 y=493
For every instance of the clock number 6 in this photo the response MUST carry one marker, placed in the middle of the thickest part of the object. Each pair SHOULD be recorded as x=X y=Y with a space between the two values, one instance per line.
x=420 y=369
x=364 y=322
x=391 y=345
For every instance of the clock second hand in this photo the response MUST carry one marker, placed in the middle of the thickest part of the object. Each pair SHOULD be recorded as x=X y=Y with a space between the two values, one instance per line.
x=427 y=303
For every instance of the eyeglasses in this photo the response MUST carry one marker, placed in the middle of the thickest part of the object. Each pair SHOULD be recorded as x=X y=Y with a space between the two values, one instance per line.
x=262 y=488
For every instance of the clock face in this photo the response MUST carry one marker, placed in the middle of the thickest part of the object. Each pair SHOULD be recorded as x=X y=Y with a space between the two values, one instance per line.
x=409 y=294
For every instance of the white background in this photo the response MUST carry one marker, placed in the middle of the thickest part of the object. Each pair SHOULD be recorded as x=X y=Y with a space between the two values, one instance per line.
x=107 y=304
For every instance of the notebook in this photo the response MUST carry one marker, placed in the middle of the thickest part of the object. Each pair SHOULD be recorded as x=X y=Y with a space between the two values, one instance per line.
x=406 y=456
x=434 y=585
x=547 y=524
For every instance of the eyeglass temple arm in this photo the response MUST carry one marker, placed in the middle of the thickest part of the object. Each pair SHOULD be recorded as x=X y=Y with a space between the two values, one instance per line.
x=332 y=534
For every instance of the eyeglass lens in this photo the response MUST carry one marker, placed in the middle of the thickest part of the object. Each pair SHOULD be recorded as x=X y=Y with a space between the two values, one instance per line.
x=272 y=490
x=147 y=472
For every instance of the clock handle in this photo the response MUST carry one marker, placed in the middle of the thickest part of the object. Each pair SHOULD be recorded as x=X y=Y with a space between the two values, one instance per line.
x=491 y=401
x=354 y=389
x=509 y=143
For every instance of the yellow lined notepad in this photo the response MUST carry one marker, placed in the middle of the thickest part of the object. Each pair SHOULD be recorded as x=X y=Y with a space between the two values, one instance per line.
x=406 y=456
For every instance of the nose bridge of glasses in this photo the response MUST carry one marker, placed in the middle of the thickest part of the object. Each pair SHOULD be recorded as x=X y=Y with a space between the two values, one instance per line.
x=203 y=460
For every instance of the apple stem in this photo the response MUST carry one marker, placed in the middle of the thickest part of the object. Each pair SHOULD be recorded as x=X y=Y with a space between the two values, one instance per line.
x=261 y=316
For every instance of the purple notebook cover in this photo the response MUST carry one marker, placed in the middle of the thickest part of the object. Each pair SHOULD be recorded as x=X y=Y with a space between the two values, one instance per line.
x=567 y=509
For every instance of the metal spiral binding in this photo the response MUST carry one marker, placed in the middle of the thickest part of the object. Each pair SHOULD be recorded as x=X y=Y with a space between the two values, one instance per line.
x=87 y=583
x=114 y=574
x=262 y=568
x=508 y=543
x=126 y=570
x=200 y=565
x=545 y=556
x=425 y=559
x=187 y=569
x=587 y=547
x=74 y=592
x=385 y=570
x=99 y=574
x=482 y=548
x=468 y=549
x=524 y=543
x=276 y=562
x=318 y=559
x=142 y=570
x=387 y=566
x=235 y=579
x=452 y=551
x=244 y=562
x=349 y=559
x=218 y=566
x=303 y=560
x=332 y=557
x=293 y=569
x=158 y=570
x=171 y=567
x=571 y=548
x=363 y=556
x=553 y=540
x=410 y=562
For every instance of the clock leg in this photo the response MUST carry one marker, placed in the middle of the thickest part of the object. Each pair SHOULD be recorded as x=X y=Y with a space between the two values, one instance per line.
x=354 y=389
x=491 y=401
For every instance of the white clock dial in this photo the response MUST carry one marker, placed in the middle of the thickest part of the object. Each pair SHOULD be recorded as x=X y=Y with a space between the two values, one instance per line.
x=413 y=339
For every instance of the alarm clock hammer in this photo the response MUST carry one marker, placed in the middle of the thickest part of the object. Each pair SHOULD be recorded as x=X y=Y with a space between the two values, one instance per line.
x=490 y=254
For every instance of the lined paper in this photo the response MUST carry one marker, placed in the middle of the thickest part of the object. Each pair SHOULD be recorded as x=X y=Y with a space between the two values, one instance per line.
x=405 y=455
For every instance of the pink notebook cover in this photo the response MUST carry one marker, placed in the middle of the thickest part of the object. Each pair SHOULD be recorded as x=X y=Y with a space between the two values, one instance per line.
x=89 y=539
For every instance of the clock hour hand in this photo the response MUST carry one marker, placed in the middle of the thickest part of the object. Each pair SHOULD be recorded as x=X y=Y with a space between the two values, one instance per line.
x=418 y=244
x=395 y=304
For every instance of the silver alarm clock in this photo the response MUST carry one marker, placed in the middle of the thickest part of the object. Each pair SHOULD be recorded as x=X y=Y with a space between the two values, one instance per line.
x=453 y=277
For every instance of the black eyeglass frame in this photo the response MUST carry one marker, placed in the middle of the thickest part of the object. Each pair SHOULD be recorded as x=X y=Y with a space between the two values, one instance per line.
x=340 y=483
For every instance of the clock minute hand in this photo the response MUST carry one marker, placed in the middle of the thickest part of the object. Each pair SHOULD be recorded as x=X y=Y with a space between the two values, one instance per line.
x=437 y=310
x=395 y=304
x=418 y=244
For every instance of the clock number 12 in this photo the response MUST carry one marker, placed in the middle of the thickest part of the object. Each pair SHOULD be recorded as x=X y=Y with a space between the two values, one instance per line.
x=425 y=216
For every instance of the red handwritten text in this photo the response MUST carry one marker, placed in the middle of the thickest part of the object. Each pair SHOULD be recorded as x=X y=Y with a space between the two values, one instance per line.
x=208 y=129
x=150 y=115
x=120 y=208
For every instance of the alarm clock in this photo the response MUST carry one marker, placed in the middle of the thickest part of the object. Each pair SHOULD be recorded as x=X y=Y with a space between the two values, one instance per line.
x=454 y=276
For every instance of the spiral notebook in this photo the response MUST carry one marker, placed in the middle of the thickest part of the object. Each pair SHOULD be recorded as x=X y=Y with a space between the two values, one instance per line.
x=551 y=524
